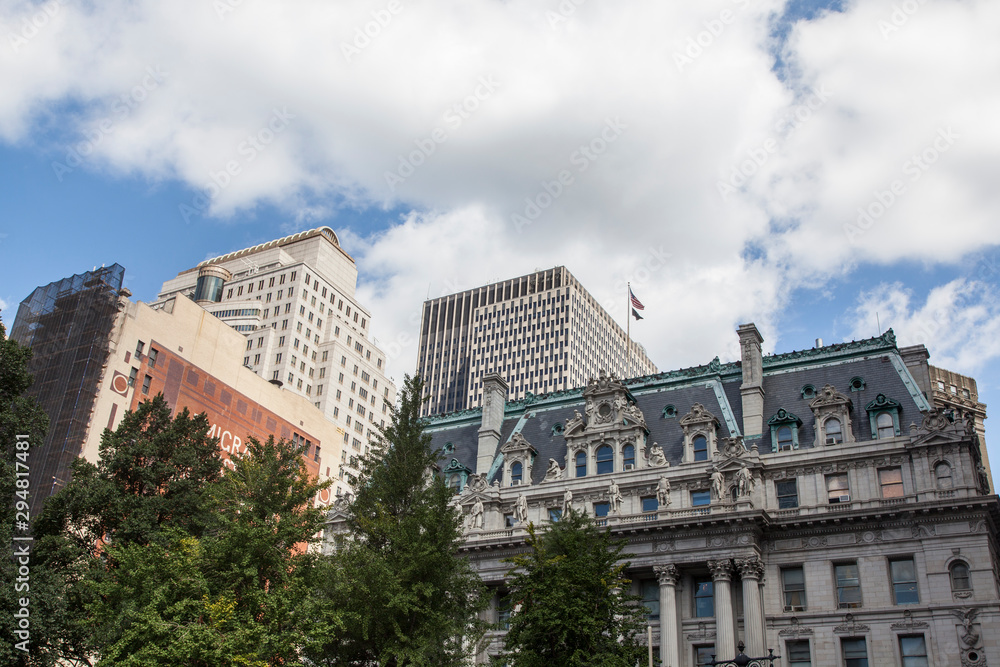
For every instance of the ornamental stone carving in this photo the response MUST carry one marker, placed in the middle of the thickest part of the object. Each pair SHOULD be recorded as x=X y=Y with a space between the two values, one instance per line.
x=521 y=509
x=614 y=498
x=656 y=457
x=750 y=568
x=667 y=575
x=567 y=502
x=722 y=570
x=744 y=482
x=718 y=482
x=663 y=492
x=553 y=472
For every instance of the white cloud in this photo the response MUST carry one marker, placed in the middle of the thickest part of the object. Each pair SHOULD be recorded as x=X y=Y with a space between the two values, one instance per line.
x=262 y=102
x=959 y=322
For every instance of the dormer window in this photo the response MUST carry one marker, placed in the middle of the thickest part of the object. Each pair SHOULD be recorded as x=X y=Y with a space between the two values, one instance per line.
x=700 y=444
x=785 y=440
x=784 y=431
x=669 y=412
x=857 y=383
x=833 y=433
x=883 y=416
x=884 y=425
x=516 y=473
x=808 y=392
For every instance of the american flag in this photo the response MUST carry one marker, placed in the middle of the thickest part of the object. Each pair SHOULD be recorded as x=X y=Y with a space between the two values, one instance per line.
x=635 y=302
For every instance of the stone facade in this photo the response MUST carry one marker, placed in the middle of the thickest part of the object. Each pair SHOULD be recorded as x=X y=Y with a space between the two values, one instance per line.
x=750 y=516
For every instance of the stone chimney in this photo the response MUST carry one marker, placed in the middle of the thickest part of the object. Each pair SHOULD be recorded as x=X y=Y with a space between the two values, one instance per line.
x=752 y=389
x=494 y=400
x=915 y=357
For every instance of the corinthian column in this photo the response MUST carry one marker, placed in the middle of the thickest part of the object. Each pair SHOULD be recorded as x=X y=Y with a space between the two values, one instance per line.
x=751 y=570
x=670 y=654
x=725 y=630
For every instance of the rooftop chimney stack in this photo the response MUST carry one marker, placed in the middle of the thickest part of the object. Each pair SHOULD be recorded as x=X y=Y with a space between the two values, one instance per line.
x=494 y=400
x=752 y=389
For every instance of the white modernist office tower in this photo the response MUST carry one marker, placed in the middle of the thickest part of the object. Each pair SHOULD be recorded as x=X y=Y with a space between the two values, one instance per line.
x=294 y=300
x=542 y=333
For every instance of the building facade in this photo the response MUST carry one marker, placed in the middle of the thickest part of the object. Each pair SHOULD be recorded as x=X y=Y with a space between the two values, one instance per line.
x=294 y=301
x=542 y=333
x=820 y=503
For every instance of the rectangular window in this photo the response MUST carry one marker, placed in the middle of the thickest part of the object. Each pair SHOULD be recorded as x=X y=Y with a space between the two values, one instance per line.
x=798 y=653
x=650 y=504
x=891 y=481
x=555 y=514
x=704 y=601
x=788 y=494
x=140 y=346
x=904 y=581
x=855 y=652
x=848 y=585
x=701 y=498
x=649 y=589
x=152 y=357
x=913 y=649
x=132 y=376
x=601 y=509
x=793 y=583
x=145 y=383
x=703 y=655
x=836 y=488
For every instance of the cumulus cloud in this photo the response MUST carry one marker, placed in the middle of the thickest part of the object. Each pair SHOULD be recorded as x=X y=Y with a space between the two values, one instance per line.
x=958 y=322
x=658 y=144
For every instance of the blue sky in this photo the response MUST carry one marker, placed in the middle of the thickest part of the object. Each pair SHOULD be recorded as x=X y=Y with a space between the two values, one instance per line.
x=717 y=155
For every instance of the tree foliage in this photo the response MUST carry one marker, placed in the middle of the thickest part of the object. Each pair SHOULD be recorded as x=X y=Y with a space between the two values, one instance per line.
x=570 y=600
x=402 y=595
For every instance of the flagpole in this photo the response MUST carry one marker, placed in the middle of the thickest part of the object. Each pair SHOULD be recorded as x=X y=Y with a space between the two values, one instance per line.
x=628 y=327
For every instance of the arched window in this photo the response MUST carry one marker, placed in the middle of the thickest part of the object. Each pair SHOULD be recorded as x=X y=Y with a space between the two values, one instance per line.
x=516 y=473
x=628 y=456
x=884 y=425
x=808 y=391
x=455 y=482
x=700 y=443
x=669 y=412
x=784 y=438
x=942 y=473
x=960 y=576
x=833 y=432
x=605 y=459
x=581 y=464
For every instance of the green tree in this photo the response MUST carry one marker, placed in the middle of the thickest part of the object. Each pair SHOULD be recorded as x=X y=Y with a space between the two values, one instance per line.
x=236 y=595
x=570 y=601
x=48 y=620
x=400 y=594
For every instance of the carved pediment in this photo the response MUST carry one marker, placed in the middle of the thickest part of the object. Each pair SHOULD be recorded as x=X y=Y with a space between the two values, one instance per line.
x=937 y=429
x=698 y=416
x=518 y=444
x=782 y=418
x=828 y=397
x=608 y=403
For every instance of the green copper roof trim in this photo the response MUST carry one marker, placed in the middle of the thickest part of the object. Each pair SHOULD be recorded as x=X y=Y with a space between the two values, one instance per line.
x=727 y=410
x=909 y=382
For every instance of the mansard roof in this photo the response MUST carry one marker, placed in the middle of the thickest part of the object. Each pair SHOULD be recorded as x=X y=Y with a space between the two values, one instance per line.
x=716 y=386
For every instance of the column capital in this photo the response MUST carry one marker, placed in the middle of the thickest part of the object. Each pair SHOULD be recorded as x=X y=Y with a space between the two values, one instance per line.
x=667 y=574
x=750 y=568
x=722 y=570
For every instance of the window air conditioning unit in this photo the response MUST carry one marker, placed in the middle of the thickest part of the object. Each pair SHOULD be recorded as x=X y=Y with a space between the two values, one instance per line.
x=629 y=466
x=515 y=482
x=830 y=440
x=794 y=607
x=844 y=499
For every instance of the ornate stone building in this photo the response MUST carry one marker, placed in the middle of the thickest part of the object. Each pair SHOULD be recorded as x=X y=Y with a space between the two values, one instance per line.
x=813 y=502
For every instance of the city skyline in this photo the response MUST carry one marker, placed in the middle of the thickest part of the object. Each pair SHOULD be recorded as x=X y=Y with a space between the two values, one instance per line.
x=819 y=167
